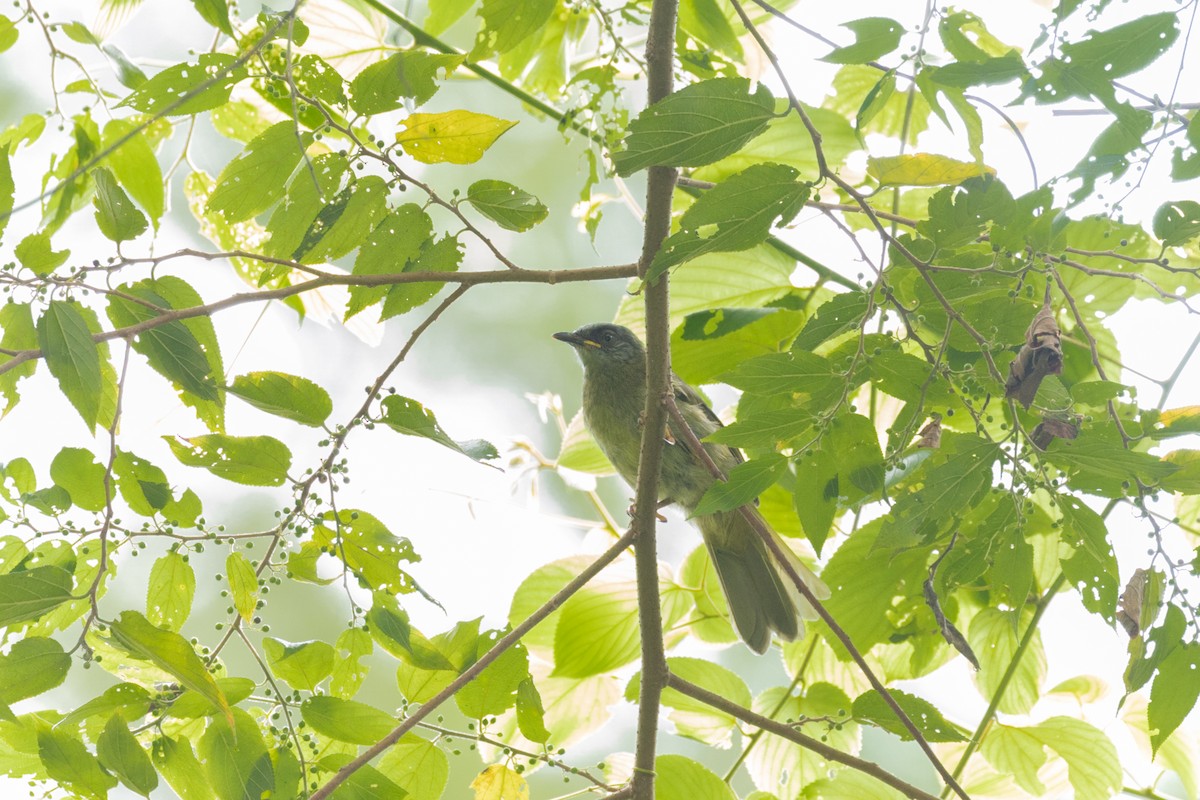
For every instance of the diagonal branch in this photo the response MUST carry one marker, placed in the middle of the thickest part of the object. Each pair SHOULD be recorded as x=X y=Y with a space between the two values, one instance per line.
x=785 y=563
x=505 y=642
x=785 y=731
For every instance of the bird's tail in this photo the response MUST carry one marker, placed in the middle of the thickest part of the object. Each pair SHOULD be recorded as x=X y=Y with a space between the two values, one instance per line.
x=761 y=596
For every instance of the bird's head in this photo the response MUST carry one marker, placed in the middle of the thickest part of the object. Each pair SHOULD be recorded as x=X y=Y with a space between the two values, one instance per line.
x=603 y=344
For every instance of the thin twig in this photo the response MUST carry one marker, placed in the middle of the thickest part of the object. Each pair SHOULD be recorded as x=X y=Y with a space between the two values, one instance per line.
x=469 y=674
x=785 y=731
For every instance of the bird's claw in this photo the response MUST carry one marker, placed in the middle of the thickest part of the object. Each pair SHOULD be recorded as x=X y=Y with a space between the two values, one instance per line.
x=632 y=510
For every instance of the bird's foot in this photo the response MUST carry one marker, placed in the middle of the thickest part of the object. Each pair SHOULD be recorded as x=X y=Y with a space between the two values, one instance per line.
x=632 y=510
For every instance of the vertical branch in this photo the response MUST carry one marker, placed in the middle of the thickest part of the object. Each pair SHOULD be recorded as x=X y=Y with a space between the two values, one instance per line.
x=660 y=68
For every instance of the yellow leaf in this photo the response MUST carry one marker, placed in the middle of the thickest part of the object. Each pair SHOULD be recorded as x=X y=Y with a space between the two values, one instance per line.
x=923 y=169
x=460 y=137
x=498 y=782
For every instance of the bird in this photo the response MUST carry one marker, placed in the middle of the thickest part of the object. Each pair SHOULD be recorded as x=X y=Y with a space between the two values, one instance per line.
x=762 y=599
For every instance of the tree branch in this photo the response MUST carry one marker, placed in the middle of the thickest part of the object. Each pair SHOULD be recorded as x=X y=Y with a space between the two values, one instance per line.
x=660 y=186
x=782 y=558
x=785 y=731
x=330 y=279
x=507 y=641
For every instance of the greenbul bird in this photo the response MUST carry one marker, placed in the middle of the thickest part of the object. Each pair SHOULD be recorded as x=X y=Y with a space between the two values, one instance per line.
x=761 y=597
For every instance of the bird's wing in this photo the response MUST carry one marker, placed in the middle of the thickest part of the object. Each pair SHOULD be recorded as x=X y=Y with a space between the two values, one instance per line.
x=699 y=416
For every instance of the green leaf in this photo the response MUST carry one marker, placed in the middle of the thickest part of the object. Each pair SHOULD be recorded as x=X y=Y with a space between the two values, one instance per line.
x=302 y=664
x=786 y=141
x=699 y=124
x=76 y=471
x=287 y=396
x=993 y=636
x=789 y=768
x=597 y=630
x=177 y=763
x=168 y=651
x=116 y=216
x=343 y=224
x=236 y=759
x=142 y=485
x=348 y=674
x=1174 y=693
x=16 y=320
x=506 y=205
x=870 y=707
x=347 y=720
x=692 y=718
x=680 y=778
x=705 y=21
x=72 y=357
x=1091 y=565
x=193 y=705
x=129 y=698
x=418 y=766
x=189 y=88
x=68 y=762
x=844 y=312
x=31 y=593
x=1177 y=223
x=33 y=665
x=394 y=245
x=443 y=255
x=1102 y=465
x=797 y=372
x=311 y=193
x=8 y=33
x=531 y=716
x=745 y=482
x=507 y=23
x=407 y=74
x=251 y=460
x=1093 y=767
x=366 y=546
x=955 y=478
x=178 y=294
x=243 y=584
x=873 y=37
x=120 y=752
x=255 y=179
x=923 y=169
x=736 y=214
x=455 y=137
x=860 y=602
x=215 y=13
x=1089 y=66
x=409 y=417
x=494 y=690
x=7 y=187
x=171 y=348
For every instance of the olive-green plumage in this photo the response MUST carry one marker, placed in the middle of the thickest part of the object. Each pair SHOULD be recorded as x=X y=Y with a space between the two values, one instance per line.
x=761 y=598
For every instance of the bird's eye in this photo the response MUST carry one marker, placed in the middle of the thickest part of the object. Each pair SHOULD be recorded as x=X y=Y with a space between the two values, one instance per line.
x=608 y=337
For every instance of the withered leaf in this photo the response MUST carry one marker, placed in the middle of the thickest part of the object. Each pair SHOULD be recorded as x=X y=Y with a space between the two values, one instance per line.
x=931 y=434
x=1041 y=355
x=1051 y=428
x=1141 y=601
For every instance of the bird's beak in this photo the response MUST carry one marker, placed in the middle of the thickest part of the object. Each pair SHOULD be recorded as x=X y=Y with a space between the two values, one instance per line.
x=575 y=340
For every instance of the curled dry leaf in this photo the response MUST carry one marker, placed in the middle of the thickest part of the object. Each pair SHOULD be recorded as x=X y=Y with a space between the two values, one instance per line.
x=1051 y=428
x=931 y=434
x=1041 y=355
